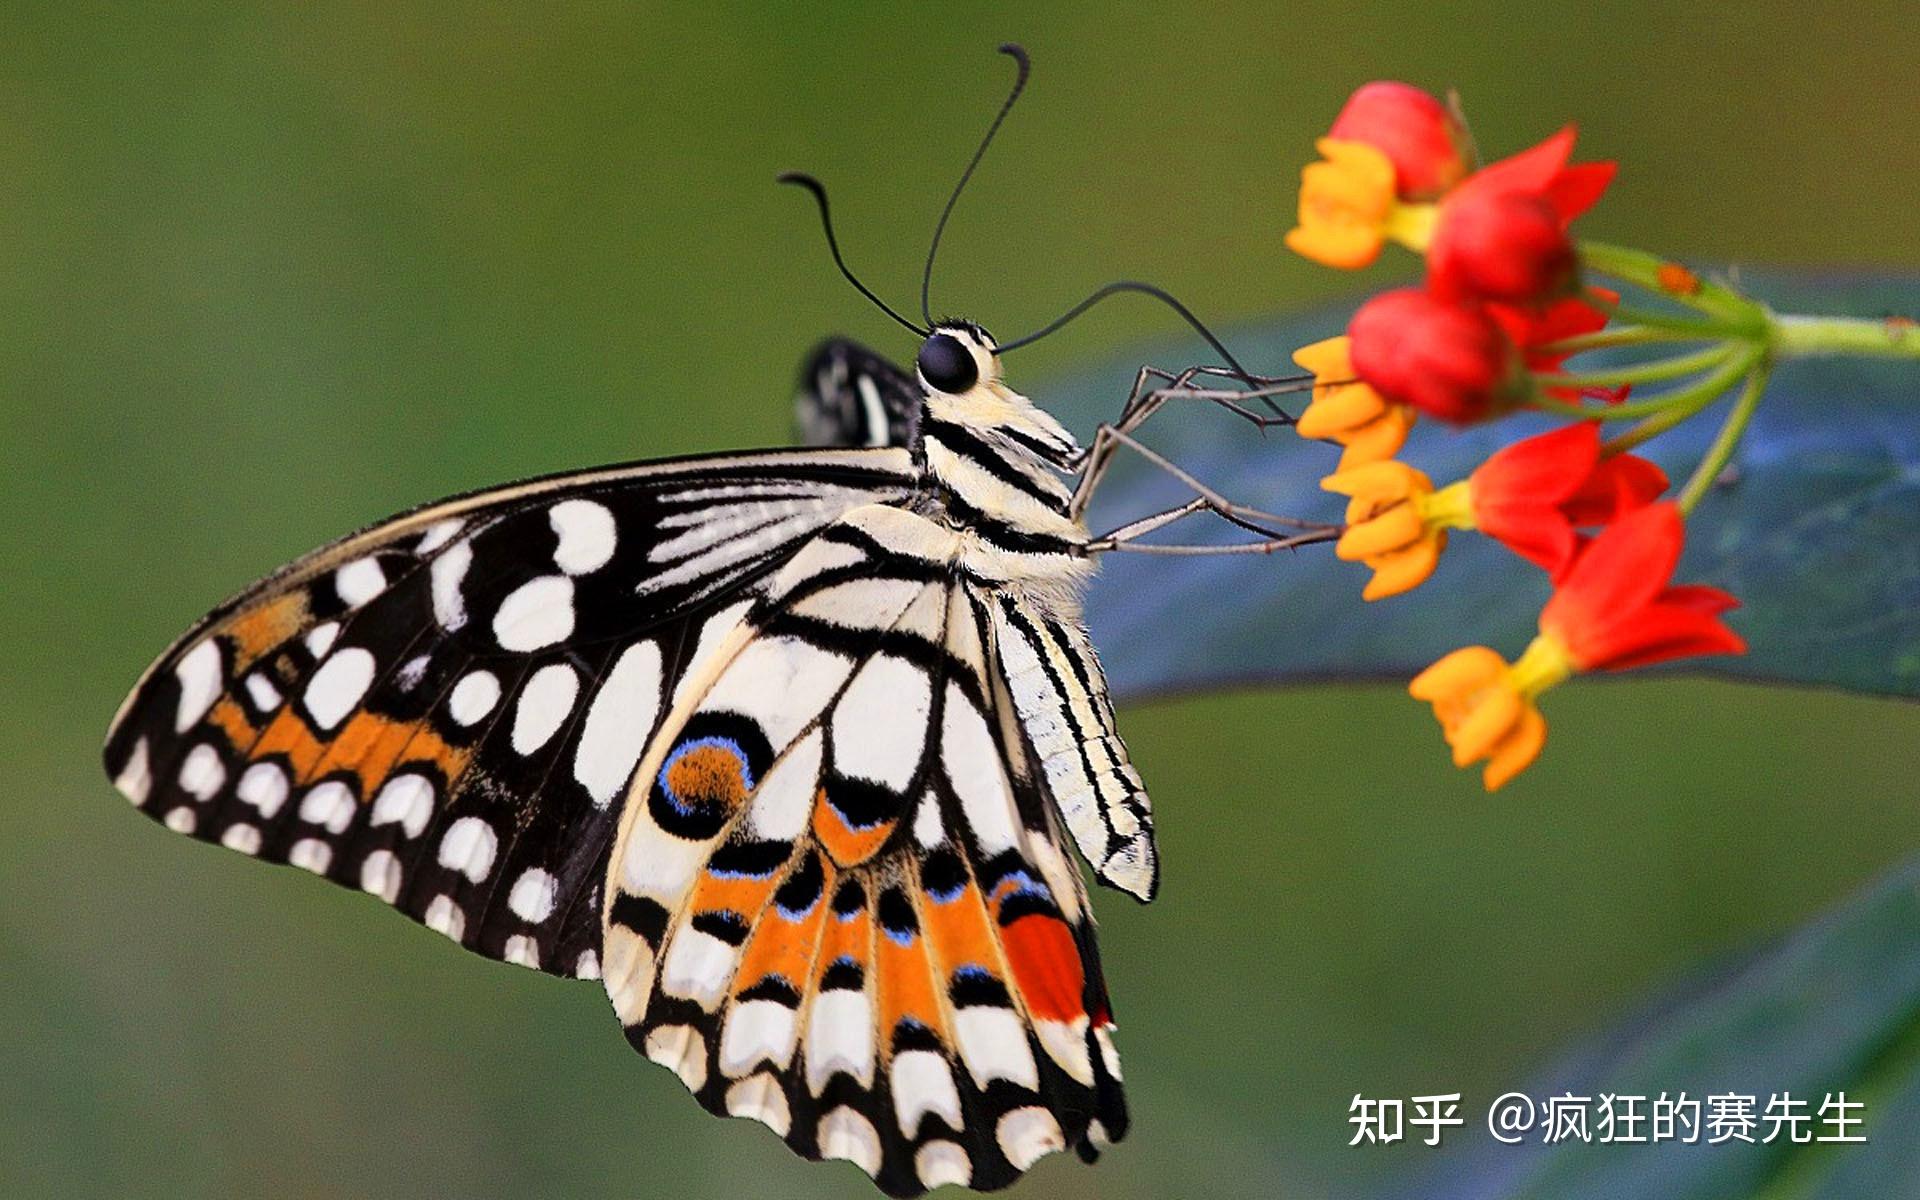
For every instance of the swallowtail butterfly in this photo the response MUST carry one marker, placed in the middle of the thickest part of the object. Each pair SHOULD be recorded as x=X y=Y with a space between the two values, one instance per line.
x=784 y=748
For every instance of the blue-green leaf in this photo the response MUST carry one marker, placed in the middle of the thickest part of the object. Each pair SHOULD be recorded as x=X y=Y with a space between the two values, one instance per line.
x=1816 y=528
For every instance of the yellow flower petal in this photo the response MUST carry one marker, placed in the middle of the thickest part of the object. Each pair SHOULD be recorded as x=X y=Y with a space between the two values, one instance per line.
x=1346 y=204
x=1517 y=751
x=1495 y=715
x=1379 y=439
x=1394 y=529
x=1336 y=411
x=1379 y=483
x=1462 y=670
x=1404 y=570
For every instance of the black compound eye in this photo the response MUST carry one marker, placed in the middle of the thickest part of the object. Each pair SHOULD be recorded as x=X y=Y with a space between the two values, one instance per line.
x=947 y=365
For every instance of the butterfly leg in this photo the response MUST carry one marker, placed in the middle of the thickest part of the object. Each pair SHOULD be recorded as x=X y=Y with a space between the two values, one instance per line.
x=1153 y=388
x=1127 y=536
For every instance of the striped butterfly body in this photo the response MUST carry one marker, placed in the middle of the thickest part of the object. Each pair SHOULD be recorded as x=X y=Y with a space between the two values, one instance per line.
x=785 y=748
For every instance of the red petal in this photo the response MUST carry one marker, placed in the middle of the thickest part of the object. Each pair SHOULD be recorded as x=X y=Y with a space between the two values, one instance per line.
x=1666 y=631
x=1579 y=188
x=1700 y=598
x=1536 y=532
x=1617 y=486
x=1616 y=577
x=1541 y=470
x=1531 y=170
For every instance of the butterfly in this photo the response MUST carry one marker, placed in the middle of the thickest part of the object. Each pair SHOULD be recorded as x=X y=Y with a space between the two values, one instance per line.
x=785 y=748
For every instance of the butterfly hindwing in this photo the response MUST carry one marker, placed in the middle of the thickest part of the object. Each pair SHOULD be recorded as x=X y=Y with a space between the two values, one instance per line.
x=839 y=904
x=443 y=710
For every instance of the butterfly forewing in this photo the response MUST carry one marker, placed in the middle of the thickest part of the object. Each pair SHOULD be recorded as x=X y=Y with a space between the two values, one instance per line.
x=444 y=710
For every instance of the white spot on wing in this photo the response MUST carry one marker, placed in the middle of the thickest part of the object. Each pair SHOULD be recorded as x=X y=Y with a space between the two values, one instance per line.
x=1026 y=1135
x=521 y=950
x=757 y=1031
x=844 y=1133
x=681 y=1049
x=182 y=819
x=473 y=697
x=942 y=1162
x=380 y=875
x=783 y=805
x=922 y=1084
x=543 y=706
x=320 y=638
x=437 y=536
x=406 y=800
x=760 y=1098
x=444 y=578
x=780 y=682
x=533 y=895
x=202 y=773
x=329 y=804
x=972 y=761
x=242 y=837
x=468 y=847
x=698 y=967
x=338 y=686
x=135 y=780
x=535 y=615
x=263 y=785
x=199 y=675
x=993 y=1044
x=446 y=917
x=261 y=691
x=311 y=854
x=586 y=535
x=839 y=1038
x=879 y=726
x=359 y=581
x=618 y=720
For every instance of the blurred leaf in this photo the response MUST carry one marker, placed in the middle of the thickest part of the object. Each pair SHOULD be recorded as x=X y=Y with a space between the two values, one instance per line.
x=1834 y=1006
x=1817 y=530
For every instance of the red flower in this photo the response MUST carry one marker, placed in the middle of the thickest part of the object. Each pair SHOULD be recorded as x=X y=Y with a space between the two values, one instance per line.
x=1614 y=608
x=1449 y=359
x=1534 y=494
x=1417 y=133
x=1502 y=235
x=1569 y=316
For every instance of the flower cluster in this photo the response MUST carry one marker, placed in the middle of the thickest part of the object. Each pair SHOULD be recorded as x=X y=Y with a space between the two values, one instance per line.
x=1505 y=301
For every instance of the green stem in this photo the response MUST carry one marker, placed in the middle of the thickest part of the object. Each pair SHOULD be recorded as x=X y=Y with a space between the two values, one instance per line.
x=1724 y=442
x=1683 y=403
x=1622 y=335
x=1677 y=367
x=1801 y=337
x=1694 y=327
x=1669 y=409
x=1645 y=270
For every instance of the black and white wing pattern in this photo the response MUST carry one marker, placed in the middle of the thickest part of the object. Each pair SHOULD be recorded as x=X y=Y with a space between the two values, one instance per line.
x=444 y=710
x=839 y=901
x=850 y=396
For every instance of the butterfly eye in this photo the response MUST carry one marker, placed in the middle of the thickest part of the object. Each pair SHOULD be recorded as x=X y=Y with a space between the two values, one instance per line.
x=947 y=365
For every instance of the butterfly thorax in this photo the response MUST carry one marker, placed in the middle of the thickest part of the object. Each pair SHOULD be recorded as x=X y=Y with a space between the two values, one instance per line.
x=995 y=467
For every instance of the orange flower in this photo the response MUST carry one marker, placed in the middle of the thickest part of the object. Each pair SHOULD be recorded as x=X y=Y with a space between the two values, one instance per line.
x=1348 y=209
x=1396 y=523
x=1613 y=610
x=1347 y=411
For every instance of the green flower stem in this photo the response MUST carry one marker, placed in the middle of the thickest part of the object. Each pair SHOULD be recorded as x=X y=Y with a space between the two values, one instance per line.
x=1639 y=267
x=1729 y=436
x=1751 y=328
x=1677 y=367
x=1802 y=337
x=1685 y=403
x=1677 y=404
x=1620 y=335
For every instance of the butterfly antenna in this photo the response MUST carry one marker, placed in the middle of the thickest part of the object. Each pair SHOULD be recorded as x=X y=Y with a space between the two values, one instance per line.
x=802 y=179
x=1025 y=65
x=1146 y=289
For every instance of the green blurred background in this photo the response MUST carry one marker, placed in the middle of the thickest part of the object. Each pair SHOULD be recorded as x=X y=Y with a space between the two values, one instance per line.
x=273 y=271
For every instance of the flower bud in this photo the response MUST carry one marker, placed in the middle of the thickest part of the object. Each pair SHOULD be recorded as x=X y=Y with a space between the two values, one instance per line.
x=1413 y=129
x=1447 y=358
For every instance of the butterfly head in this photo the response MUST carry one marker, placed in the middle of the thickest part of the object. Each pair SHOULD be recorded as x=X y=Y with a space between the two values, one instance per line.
x=956 y=358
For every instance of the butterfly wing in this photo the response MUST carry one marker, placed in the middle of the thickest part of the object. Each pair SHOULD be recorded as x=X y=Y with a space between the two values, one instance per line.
x=850 y=396
x=839 y=904
x=443 y=710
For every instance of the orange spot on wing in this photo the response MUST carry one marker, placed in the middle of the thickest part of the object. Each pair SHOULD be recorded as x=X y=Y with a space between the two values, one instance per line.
x=904 y=978
x=783 y=947
x=233 y=722
x=265 y=627
x=1046 y=965
x=959 y=933
x=711 y=775
x=849 y=937
x=848 y=846
x=288 y=737
x=746 y=897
